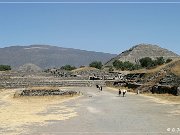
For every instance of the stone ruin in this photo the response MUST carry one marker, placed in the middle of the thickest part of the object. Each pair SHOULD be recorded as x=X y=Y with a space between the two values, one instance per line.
x=44 y=92
x=13 y=79
x=86 y=73
x=166 y=81
x=160 y=82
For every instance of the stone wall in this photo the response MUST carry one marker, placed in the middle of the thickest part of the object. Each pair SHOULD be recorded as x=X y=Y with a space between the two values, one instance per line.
x=45 y=92
x=12 y=81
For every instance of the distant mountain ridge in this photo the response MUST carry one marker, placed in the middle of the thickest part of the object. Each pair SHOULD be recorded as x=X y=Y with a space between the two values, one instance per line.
x=137 y=52
x=46 y=56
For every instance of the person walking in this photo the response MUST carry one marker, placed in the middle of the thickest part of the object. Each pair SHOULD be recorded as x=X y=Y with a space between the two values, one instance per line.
x=124 y=92
x=137 y=92
x=119 y=92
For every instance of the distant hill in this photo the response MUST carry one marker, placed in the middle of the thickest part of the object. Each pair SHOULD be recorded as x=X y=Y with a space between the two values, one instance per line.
x=143 y=50
x=46 y=56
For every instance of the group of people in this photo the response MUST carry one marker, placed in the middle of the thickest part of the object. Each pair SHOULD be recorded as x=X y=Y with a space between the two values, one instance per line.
x=123 y=92
x=120 y=91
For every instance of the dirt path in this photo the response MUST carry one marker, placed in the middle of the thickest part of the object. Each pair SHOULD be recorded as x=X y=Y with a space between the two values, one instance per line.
x=94 y=113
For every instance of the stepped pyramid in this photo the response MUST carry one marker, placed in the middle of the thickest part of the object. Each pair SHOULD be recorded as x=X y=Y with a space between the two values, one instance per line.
x=143 y=50
x=29 y=67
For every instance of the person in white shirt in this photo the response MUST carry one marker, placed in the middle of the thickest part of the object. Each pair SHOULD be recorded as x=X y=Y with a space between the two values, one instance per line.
x=124 y=92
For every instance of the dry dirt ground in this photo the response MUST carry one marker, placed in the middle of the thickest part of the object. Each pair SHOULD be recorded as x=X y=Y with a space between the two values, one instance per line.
x=93 y=113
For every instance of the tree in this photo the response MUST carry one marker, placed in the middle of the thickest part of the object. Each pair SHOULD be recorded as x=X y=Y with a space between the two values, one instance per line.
x=118 y=64
x=136 y=67
x=82 y=66
x=159 y=61
x=128 y=65
x=168 y=60
x=68 y=67
x=96 y=64
x=146 y=62
x=5 y=67
x=125 y=65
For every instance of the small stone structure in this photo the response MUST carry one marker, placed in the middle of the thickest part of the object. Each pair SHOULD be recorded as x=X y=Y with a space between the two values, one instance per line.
x=85 y=73
x=45 y=92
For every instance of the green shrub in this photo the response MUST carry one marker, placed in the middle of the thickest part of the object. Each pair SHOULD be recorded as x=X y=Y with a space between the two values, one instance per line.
x=136 y=67
x=68 y=67
x=159 y=61
x=125 y=65
x=118 y=64
x=5 y=67
x=96 y=64
x=149 y=63
x=146 y=62
x=168 y=60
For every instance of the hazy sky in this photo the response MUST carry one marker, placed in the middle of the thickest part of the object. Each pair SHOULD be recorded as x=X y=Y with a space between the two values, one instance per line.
x=104 y=27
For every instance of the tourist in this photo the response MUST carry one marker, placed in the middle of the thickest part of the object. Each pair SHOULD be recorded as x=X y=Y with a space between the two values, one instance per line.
x=137 y=92
x=119 y=92
x=101 y=88
x=124 y=92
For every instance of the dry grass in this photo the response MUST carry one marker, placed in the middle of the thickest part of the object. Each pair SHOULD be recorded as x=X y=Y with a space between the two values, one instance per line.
x=160 y=98
x=149 y=70
x=17 y=113
x=164 y=98
x=176 y=69
x=156 y=69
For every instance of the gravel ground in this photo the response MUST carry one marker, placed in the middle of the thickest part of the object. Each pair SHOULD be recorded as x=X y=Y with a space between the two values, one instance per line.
x=105 y=113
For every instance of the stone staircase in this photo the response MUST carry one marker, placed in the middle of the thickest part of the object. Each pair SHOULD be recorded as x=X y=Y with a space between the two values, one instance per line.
x=54 y=82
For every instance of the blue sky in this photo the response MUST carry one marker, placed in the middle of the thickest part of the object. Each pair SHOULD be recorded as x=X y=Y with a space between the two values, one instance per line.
x=110 y=28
